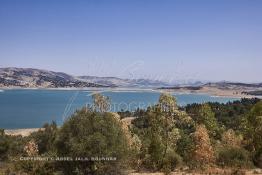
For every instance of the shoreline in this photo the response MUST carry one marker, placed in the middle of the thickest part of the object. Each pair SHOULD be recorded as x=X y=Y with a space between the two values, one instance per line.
x=21 y=132
x=214 y=92
x=84 y=89
x=24 y=132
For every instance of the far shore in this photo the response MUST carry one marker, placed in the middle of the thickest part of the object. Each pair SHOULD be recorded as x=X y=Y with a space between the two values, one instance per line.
x=216 y=92
x=85 y=89
x=205 y=90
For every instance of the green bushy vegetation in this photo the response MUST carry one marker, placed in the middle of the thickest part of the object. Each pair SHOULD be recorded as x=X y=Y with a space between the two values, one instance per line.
x=163 y=138
x=234 y=157
x=90 y=134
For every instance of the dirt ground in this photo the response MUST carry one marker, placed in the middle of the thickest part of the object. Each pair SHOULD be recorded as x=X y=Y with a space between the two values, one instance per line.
x=215 y=171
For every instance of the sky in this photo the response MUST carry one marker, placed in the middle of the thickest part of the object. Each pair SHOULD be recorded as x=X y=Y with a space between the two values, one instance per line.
x=211 y=40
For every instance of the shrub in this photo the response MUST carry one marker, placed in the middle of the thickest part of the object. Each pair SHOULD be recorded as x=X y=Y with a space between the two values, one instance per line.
x=153 y=152
x=45 y=138
x=258 y=159
x=34 y=167
x=171 y=161
x=234 y=157
x=10 y=146
x=185 y=146
x=4 y=145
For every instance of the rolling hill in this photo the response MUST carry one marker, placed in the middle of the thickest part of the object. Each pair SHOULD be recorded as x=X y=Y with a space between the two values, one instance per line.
x=37 y=78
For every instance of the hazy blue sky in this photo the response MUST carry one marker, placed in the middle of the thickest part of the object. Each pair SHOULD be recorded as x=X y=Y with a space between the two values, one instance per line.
x=157 y=39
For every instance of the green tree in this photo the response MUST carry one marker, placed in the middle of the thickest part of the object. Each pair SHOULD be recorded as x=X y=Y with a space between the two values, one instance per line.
x=253 y=132
x=162 y=134
x=254 y=120
x=91 y=134
x=207 y=117
x=168 y=105
x=167 y=102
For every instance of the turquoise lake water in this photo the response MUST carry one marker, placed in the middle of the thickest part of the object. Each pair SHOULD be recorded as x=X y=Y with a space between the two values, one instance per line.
x=33 y=108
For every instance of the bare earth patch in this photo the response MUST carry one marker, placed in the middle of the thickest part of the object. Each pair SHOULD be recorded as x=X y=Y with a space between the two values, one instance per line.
x=21 y=132
x=210 y=171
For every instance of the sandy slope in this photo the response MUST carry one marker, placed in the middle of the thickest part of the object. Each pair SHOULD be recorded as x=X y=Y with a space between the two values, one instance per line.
x=22 y=132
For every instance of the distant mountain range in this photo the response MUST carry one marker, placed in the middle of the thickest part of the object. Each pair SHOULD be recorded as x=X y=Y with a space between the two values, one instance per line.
x=36 y=78
x=114 y=81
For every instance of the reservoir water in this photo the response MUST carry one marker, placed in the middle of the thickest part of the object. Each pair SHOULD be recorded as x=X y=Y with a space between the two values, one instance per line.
x=33 y=108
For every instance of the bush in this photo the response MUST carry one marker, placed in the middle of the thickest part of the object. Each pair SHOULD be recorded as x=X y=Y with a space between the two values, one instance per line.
x=10 y=146
x=258 y=159
x=4 y=146
x=152 y=151
x=35 y=167
x=185 y=146
x=171 y=161
x=45 y=138
x=234 y=157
